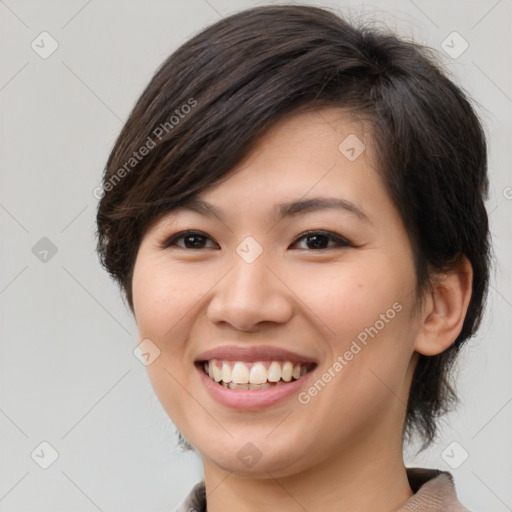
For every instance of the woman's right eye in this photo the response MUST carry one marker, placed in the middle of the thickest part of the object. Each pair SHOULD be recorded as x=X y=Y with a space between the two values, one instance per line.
x=189 y=239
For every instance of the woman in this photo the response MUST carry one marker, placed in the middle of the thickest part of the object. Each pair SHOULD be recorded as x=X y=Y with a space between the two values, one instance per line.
x=295 y=213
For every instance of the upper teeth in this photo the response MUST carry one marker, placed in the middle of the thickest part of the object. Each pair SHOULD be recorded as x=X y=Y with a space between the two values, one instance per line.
x=240 y=372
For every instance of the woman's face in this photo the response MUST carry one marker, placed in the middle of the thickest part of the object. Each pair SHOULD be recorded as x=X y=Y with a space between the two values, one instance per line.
x=332 y=286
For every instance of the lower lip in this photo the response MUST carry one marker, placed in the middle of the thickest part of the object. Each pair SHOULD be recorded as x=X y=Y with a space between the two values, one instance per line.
x=254 y=399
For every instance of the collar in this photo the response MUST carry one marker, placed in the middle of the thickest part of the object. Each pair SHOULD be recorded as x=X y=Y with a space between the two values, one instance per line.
x=434 y=491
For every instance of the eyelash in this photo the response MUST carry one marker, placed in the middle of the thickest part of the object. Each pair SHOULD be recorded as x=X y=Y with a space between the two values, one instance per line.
x=339 y=240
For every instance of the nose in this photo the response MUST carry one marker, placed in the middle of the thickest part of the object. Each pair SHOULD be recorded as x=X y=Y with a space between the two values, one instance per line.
x=250 y=296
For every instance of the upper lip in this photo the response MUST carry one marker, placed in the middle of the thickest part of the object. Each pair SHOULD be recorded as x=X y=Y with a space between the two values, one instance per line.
x=248 y=354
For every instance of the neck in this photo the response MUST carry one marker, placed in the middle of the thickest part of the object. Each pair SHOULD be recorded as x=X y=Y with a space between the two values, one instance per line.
x=354 y=481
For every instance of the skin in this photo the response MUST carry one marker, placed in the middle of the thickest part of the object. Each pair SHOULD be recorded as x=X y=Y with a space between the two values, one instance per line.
x=343 y=449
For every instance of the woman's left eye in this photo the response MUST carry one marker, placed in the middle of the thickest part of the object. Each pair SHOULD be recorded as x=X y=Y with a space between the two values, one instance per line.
x=320 y=240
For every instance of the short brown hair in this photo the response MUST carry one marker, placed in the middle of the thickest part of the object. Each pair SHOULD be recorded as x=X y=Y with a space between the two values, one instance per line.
x=240 y=75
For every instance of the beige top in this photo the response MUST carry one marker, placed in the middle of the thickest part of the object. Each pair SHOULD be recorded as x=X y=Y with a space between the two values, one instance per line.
x=434 y=492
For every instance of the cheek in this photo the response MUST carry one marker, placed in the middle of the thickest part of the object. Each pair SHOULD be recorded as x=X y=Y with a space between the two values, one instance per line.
x=366 y=309
x=372 y=318
x=352 y=296
x=161 y=296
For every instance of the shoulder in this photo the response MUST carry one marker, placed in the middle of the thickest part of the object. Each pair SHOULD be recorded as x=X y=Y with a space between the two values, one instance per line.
x=195 y=500
x=434 y=491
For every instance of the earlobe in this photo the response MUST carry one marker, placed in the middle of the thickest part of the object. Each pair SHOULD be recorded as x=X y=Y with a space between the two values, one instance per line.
x=444 y=309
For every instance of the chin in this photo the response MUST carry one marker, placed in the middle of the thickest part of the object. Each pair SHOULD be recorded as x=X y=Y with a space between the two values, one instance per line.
x=256 y=459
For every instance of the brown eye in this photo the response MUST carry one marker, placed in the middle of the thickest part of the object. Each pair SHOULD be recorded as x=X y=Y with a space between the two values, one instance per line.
x=188 y=240
x=320 y=240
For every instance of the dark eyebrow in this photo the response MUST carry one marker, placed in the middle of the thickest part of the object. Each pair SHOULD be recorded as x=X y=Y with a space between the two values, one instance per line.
x=289 y=209
x=202 y=207
x=319 y=203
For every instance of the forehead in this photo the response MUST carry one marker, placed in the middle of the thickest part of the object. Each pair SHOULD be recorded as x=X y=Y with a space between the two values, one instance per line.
x=315 y=152
x=315 y=133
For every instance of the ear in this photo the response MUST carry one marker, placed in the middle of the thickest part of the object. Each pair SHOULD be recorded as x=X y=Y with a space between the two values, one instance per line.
x=444 y=309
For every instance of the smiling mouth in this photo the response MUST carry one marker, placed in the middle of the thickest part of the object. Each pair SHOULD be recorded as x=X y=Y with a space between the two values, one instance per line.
x=258 y=375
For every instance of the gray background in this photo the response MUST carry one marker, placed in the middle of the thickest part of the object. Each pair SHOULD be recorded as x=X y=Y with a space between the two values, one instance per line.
x=68 y=373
